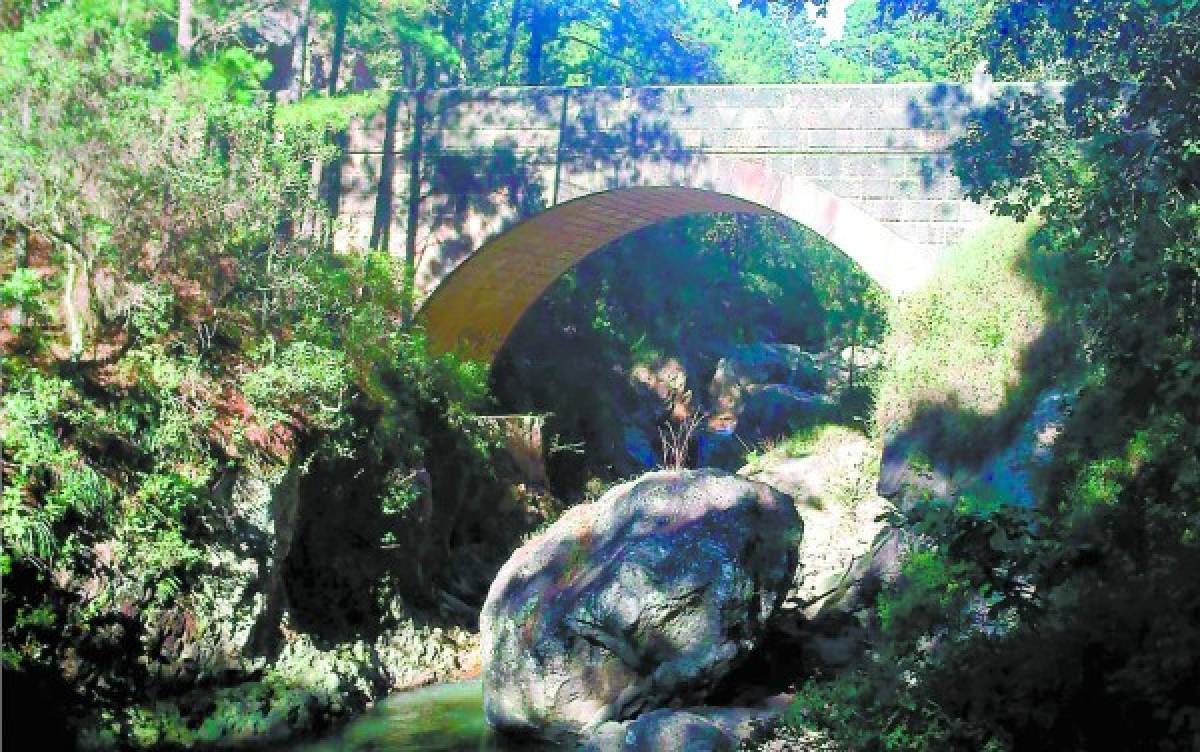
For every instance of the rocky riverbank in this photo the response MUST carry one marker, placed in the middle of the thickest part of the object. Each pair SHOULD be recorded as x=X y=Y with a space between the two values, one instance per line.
x=235 y=661
x=290 y=624
x=644 y=599
x=628 y=620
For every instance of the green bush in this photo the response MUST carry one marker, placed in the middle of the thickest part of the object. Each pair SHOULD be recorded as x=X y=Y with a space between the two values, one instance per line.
x=212 y=332
x=966 y=355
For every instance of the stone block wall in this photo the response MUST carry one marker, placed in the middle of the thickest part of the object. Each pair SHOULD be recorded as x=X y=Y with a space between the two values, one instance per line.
x=489 y=158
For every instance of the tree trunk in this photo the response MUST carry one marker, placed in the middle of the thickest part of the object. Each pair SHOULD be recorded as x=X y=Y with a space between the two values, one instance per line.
x=416 y=153
x=382 y=225
x=331 y=174
x=537 y=43
x=510 y=41
x=183 y=34
x=341 y=15
x=300 y=53
x=466 y=49
x=620 y=33
x=452 y=31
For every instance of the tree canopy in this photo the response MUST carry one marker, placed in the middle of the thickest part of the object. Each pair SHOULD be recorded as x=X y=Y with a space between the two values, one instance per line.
x=175 y=314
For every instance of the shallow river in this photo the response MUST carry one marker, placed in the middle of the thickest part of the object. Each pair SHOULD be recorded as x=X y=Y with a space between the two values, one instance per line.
x=441 y=718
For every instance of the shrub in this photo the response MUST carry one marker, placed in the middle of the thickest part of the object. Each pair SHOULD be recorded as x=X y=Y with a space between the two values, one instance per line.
x=966 y=355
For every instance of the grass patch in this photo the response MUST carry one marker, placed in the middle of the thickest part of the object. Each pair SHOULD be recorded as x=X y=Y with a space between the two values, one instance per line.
x=817 y=439
x=850 y=462
x=966 y=355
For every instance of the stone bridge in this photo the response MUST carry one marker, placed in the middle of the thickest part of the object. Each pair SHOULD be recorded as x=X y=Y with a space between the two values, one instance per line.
x=514 y=186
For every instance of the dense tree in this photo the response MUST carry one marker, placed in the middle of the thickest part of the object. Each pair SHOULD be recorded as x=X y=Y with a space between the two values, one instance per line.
x=1113 y=170
x=779 y=46
x=901 y=41
x=168 y=184
x=1092 y=635
x=175 y=318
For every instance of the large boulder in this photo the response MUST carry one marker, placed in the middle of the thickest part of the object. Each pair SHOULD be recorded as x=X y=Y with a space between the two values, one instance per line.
x=643 y=599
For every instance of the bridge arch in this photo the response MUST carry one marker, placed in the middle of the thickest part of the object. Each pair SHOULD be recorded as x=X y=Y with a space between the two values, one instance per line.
x=475 y=307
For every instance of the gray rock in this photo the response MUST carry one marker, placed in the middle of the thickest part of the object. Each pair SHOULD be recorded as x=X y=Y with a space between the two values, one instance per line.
x=767 y=410
x=645 y=598
x=833 y=489
x=849 y=554
x=760 y=392
x=1014 y=472
x=906 y=473
x=668 y=730
x=665 y=730
x=743 y=724
x=748 y=365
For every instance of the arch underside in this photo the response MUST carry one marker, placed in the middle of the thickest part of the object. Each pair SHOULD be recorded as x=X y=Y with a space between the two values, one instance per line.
x=475 y=308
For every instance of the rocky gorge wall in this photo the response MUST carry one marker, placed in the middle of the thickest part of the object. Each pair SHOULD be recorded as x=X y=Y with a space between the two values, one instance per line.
x=228 y=661
x=300 y=612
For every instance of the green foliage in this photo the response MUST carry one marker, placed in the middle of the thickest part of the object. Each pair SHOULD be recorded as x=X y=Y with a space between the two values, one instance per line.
x=1086 y=634
x=163 y=207
x=908 y=41
x=23 y=290
x=302 y=380
x=235 y=74
x=60 y=498
x=1112 y=169
x=961 y=590
x=931 y=589
x=396 y=38
x=690 y=289
x=260 y=709
x=884 y=706
x=48 y=482
x=748 y=47
x=327 y=114
x=967 y=354
x=630 y=42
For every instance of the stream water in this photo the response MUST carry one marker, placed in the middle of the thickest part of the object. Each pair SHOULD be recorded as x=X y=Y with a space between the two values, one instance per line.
x=440 y=718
